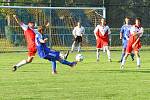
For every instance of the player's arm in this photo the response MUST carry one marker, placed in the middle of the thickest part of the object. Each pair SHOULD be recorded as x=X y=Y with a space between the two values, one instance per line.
x=43 y=40
x=95 y=31
x=121 y=32
x=23 y=26
x=39 y=37
x=17 y=20
x=133 y=45
x=140 y=33
x=74 y=32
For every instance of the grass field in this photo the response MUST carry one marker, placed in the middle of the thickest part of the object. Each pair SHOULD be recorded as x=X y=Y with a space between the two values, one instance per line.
x=89 y=80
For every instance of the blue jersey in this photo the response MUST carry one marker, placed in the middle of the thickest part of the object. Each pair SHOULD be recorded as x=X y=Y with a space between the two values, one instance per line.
x=125 y=30
x=41 y=47
x=43 y=50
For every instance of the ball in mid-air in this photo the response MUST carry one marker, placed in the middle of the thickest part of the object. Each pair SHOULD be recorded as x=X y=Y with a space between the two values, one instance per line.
x=79 y=57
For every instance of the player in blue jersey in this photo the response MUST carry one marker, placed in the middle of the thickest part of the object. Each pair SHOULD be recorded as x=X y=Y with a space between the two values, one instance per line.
x=48 y=54
x=124 y=35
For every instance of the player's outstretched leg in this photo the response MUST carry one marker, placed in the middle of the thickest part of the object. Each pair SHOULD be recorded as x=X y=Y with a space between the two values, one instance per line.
x=21 y=63
x=64 y=56
x=65 y=62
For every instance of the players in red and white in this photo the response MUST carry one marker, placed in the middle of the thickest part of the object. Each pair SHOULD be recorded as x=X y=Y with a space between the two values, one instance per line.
x=102 y=33
x=134 y=42
x=30 y=39
x=78 y=33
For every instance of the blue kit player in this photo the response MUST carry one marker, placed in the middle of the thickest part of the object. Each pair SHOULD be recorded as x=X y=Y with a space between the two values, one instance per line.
x=124 y=35
x=48 y=54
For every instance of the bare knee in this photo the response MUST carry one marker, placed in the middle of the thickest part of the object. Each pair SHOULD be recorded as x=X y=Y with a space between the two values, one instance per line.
x=29 y=60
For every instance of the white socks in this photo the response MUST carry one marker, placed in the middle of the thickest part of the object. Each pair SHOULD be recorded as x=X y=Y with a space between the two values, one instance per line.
x=23 y=62
x=108 y=52
x=138 y=61
x=79 y=48
x=123 y=61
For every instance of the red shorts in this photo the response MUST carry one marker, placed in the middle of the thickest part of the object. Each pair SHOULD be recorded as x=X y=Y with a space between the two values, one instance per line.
x=100 y=43
x=131 y=41
x=31 y=51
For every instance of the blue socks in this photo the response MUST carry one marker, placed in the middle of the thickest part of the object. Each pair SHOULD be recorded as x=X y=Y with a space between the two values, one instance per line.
x=54 y=65
x=65 y=62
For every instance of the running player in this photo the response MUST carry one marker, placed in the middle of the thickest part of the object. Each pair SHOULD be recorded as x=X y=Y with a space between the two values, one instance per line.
x=102 y=33
x=134 y=42
x=30 y=39
x=48 y=54
x=77 y=32
x=124 y=35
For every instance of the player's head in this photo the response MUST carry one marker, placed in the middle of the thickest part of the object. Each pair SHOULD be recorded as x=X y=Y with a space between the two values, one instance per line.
x=31 y=24
x=79 y=23
x=41 y=29
x=138 y=21
x=127 y=20
x=103 y=21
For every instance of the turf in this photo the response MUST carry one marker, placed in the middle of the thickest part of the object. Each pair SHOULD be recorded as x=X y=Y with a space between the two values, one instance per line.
x=89 y=80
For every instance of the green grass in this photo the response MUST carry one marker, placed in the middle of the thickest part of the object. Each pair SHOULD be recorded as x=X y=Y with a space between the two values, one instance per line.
x=89 y=80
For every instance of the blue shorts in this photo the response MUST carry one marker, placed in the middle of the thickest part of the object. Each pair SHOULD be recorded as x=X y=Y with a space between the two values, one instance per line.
x=47 y=53
x=52 y=55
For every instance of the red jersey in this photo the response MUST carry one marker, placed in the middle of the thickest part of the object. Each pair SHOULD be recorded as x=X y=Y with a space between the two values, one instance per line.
x=102 y=33
x=132 y=39
x=30 y=39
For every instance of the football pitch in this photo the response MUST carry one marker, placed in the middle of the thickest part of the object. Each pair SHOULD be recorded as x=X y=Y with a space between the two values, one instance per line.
x=89 y=80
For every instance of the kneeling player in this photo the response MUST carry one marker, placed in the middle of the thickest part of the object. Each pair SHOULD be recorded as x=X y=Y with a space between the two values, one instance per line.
x=46 y=53
x=134 y=42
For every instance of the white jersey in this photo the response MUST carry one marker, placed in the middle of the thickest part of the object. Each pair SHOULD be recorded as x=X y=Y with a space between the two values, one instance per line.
x=102 y=29
x=138 y=30
x=78 y=31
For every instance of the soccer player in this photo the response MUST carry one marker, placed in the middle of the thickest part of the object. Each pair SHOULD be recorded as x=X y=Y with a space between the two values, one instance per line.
x=77 y=32
x=48 y=54
x=134 y=42
x=30 y=39
x=102 y=33
x=124 y=35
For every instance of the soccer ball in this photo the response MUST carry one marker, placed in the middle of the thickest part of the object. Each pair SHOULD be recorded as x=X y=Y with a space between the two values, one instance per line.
x=79 y=57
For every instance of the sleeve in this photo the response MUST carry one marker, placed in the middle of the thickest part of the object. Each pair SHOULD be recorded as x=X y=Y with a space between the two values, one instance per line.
x=24 y=26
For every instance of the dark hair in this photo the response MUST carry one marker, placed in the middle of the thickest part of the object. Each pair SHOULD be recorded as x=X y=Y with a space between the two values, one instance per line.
x=139 y=19
x=127 y=17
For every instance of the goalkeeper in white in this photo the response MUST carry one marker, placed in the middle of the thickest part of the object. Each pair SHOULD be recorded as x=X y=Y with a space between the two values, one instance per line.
x=77 y=32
